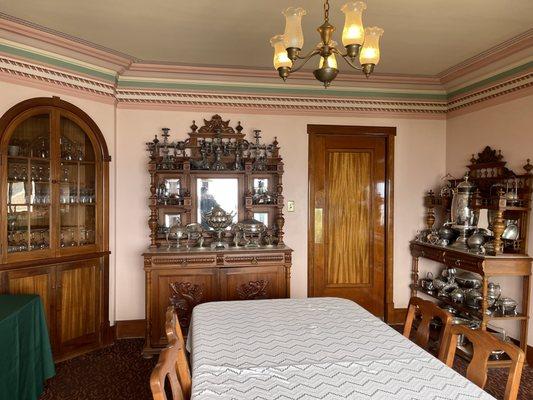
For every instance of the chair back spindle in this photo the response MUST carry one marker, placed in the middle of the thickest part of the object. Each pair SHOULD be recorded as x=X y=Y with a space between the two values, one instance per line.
x=484 y=343
x=429 y=311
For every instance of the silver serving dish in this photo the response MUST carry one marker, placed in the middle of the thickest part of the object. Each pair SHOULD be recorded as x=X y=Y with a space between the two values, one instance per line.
x=493 y=291
x=511 y=232
x=506 y=306
x=427 y=282
x=175 y=233
x=439 y=283
x=457 y=295
x=447 y=290
x=218 y=220
x=195 y=232
x=447 y=233
x=474 y=299
x=252 y=230
x=468 y=280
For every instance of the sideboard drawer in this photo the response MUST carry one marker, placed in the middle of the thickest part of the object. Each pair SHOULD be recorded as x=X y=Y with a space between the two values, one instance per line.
x=241 y=260
x=184 y=260
x=464 y=262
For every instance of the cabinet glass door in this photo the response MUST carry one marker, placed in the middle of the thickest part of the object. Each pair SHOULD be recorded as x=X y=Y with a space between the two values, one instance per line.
x=77 y=194
x=28 y=186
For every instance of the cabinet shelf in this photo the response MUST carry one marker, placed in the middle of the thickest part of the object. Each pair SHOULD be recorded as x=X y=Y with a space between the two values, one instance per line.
x=25 y=159
x=77 y=162
x=469 y=310
x=28 y=205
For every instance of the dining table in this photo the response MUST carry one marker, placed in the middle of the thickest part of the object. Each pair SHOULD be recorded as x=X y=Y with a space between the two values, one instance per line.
x=314 y=348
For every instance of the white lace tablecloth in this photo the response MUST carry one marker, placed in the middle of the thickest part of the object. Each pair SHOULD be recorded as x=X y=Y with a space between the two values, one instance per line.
x=316 y=348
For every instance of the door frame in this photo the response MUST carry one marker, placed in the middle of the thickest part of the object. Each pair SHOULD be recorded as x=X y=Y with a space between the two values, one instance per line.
x=388 y=133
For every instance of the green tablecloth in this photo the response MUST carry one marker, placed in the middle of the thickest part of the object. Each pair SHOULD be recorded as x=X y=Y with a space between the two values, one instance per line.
x=25 y=353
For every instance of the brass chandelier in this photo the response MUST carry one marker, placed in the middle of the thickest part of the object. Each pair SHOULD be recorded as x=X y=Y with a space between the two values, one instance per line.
x=357 y=41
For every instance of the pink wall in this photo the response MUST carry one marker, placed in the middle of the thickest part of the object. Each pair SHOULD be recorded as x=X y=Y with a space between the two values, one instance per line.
x=507 y=126
x=419 y=162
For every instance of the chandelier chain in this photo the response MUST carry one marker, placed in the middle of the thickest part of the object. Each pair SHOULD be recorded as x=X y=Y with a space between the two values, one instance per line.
x=326 y=10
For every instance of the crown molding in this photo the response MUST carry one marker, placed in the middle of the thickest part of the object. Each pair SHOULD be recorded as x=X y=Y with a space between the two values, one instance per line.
x=152 y=68
x=487 y=57
x=62 y=40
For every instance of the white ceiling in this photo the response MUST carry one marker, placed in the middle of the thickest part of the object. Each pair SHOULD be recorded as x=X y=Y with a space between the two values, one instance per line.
x=421 y=36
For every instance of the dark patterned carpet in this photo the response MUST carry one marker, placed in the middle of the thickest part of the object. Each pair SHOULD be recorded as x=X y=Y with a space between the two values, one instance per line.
x=119 y=372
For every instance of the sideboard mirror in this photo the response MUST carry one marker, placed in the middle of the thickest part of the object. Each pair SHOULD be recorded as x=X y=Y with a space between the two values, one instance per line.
x=221 y=192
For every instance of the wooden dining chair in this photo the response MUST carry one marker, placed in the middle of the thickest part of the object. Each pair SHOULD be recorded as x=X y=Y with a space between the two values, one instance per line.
x=174 y=334
x=429 y=311
x=164 y=371
x=484 y=343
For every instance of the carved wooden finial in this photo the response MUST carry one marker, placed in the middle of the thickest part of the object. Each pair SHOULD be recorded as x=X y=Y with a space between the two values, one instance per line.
x=239 y=127
x=473 y=159
x=528 y=167
x=193 y=126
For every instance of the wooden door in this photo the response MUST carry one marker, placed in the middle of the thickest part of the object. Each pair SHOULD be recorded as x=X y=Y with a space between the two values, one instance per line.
x=348 y=214
x=251 y=283
x=79 y=300
x=39 y=281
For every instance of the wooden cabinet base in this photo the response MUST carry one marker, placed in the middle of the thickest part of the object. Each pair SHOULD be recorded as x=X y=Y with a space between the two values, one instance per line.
x=74 y=293
x=186 y=278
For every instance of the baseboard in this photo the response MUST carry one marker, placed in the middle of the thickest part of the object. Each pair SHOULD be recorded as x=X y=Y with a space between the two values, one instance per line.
x=134 y=328
x=396 y=316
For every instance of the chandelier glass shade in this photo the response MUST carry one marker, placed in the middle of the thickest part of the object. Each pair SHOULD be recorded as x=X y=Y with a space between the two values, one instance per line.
x=358 y=42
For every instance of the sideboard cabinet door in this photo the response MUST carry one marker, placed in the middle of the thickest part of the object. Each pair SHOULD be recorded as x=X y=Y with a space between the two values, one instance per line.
x=184 y=288
x=78 y=300
x=252 y=283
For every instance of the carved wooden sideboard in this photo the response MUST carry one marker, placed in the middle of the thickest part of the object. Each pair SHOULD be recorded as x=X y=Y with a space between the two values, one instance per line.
x=189 y=277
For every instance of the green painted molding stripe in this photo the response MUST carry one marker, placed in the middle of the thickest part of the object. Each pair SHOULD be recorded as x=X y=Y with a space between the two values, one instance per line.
x=277 y=90
x=492 y=79
x=110 y=77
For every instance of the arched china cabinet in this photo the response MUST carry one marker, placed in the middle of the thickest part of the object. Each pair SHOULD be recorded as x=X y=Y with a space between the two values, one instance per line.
x=54 y=226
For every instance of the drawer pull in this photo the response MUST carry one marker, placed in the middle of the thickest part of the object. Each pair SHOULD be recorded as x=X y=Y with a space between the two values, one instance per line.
x=458 y=263
x=184 y=262
x=254 y=261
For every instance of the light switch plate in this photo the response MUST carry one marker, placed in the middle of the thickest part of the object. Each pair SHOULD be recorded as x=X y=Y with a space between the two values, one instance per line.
x=290 y=206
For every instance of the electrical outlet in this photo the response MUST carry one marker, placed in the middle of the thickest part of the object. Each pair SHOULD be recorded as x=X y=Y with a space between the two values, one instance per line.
x=290 y=206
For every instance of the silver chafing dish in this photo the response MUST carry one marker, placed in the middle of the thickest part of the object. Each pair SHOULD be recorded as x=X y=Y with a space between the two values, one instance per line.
x=252 y=231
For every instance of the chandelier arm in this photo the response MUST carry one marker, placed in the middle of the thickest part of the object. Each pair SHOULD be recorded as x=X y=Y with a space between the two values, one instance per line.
x=347 y=59
x=337 y=51
x=309 y=55
x=305 y=59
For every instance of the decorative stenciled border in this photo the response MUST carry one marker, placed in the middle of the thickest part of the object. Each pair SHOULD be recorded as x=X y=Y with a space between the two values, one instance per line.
x=48 y=75
x=277 y=103
x=475 y=97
